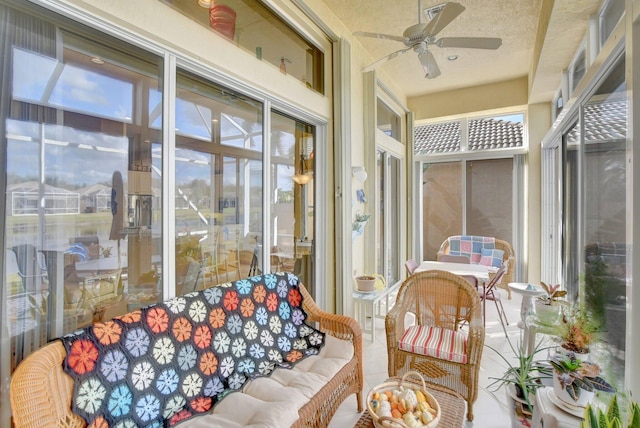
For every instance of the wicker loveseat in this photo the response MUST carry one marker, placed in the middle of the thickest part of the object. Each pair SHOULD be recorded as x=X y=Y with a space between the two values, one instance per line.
x=508 y=256
x=305 y=394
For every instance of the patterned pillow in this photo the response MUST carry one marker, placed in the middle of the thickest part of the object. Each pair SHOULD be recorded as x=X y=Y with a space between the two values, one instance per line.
x=470 y=246
x=491 y=257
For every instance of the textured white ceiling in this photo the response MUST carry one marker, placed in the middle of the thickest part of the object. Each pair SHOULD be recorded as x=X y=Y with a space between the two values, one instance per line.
x=515 y=21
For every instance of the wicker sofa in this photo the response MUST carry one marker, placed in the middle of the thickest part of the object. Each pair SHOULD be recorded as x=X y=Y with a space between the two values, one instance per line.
x=508 y=256
x=306 y=395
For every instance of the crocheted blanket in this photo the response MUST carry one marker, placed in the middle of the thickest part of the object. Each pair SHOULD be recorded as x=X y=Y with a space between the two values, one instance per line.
x=168 y=362
x=470 y=246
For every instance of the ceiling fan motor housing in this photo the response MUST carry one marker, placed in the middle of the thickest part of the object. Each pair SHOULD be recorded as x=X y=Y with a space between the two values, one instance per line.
x=414 y=34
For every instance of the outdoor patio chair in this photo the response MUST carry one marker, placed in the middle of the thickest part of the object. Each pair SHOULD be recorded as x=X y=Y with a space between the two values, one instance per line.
x=435 y=344
x=508 y=256
x=31 y=268
x=490 y=292
x=411 y=266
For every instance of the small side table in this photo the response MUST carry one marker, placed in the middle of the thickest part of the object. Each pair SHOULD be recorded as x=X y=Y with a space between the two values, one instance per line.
x=452 y=405
x=548 y=415
x=528 y=292
x=367 y=307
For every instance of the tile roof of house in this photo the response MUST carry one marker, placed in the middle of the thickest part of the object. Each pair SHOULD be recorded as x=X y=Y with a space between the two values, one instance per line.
x=484 y=134
x=604 y=121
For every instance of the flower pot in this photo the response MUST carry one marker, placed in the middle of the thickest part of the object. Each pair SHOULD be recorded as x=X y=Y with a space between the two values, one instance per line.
x=548 y=314
x=582 y=356
x=585 y=396
x=366 y=283
x=222 y=18
x=521 y=412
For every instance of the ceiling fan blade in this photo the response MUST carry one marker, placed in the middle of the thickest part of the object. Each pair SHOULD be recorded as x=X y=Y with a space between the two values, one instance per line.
x=384 y=59
x=448 y=13
x=429 y=64
x=381 y=36
x=469 y=42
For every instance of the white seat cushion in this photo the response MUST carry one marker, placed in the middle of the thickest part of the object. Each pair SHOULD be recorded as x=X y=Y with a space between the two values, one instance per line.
x=435 y=342
x=274 y=401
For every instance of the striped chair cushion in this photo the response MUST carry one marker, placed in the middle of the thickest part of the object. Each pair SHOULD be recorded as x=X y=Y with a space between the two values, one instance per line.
x=435 y=342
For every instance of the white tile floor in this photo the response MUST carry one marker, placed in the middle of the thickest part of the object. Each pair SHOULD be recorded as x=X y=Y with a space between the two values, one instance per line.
x=490 y=408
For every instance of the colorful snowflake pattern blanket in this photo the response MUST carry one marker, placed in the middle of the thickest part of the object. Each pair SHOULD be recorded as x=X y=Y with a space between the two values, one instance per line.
x=168 y=362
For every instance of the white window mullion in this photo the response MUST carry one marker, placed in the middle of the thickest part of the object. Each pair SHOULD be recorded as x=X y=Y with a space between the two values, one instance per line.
x=463 y=193
x=169 y=176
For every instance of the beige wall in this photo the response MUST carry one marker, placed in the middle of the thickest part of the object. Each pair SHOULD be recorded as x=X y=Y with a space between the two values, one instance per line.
x=538 y=123
x=468 y=100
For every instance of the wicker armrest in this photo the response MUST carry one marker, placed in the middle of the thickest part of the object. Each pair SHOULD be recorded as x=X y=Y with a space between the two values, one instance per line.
x=340 y=326
x=41 y=391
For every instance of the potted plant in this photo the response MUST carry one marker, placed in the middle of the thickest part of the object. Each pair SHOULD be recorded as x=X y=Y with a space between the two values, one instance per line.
x=521 y=380
x=574 y=380
x=358 y=224
x=577 y=331
x=549 y=305
x=612 y=416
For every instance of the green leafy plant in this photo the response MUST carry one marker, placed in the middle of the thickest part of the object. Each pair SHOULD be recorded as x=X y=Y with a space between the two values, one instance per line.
x=360 y=221
x=612 y=417
x=525 y=374
x=553 y=293
x=577 y=330
x=576 y=375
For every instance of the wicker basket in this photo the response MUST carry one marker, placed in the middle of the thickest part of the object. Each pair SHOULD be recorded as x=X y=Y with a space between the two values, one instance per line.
x=388 y=422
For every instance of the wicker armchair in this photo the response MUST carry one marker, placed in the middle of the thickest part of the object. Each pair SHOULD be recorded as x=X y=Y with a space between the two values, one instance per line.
x=435 y=345
x=509 y=256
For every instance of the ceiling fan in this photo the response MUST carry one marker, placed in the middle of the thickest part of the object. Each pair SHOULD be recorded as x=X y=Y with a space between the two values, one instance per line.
x=421 y=36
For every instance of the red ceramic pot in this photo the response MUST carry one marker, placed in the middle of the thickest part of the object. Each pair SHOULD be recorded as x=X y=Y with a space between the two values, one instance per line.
x=222 y=18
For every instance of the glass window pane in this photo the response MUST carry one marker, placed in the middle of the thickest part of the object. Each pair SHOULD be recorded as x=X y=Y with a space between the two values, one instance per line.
x=84 y=236
x=218 y=184
x=381 y=244
x=605 y=232
x=292 y=196
x=442 y=202
x=388 y=121
x=609 y=18
x=437 y=138
x=392 y=271
x=499 y=132
x=570 y=250
x=388 y=217
x=256 y=28
x=578 y=68
x=489 y=198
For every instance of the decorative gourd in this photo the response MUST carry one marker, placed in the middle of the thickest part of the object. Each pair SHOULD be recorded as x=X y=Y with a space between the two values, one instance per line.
x=411 y=420
x=409 y=397
x=384 y=409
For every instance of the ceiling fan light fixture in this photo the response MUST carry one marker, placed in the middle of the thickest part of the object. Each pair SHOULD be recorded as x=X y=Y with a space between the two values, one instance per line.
x=301 y=179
